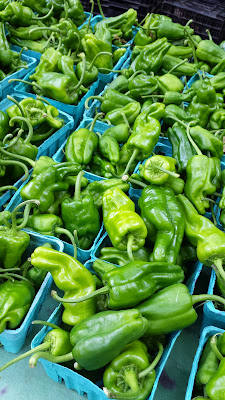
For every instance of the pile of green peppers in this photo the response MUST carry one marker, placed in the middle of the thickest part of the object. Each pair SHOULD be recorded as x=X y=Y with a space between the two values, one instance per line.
x=118 y=315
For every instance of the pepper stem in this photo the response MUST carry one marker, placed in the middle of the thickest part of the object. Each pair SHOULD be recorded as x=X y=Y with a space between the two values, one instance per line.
x=43 y=28
x=13 y=215
x=134 y=181
x=97 y=55
x=43 y=99
x=100 y=9
x=25 y=217
x=177 y=65
x=173 y=174
x=198 y=151
x=103 y=290
x=18 y=105
x=219 y=267
x=95 y=120
x=43 y=346
x=30 y=127
x=154 y=362
x=91 y=13
x=18 y=157
x=14 y=162
x=213 y=345
x=100 y=98
x=148 y=26
x=46 y=356
x=14 y=140
x=209 y=34
x=46 y=15
x=140 y=71
x=130 y=242
x=113 y=395
x=77 y=194
x=131 y=160
x=204 y=297
x=45 y=323
x=8 y=187
x=79 y=83
x=64 y=231
x=27 y=82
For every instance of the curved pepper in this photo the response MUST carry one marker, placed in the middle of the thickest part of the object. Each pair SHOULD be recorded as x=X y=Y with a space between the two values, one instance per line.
x=105 y=334
x=70 y=276
x=124 y=226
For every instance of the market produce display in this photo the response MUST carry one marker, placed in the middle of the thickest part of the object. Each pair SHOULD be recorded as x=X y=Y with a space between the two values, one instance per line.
x=137 y=190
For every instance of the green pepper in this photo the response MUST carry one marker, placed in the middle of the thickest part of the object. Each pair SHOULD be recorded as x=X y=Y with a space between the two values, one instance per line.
x=120 y=84
x=45 y=224
x=124 y=226
x=206 y=141
x=210 y=52
x=203 y=234
x=180 y=51
x=41 y=7
x=214 y=387
x=101 y=167
x=174 y=113
x=164 y=215
x=172 y=308
x=119 y=132
x=105 y=334
x=142 y=85
x=38 y=46
x=97 y=189
x=16 y=298
x=168 y=82
x=50 y=180
x=94 y=45
x=55 y=345
x=109 y=148
x=81 y=214
x=75 y=11
x=130 y=284
x=17 y=14
x=121 y=257
x=208 y=365
x=70 y=276
x=4 y=45
x=172 y=30
x=81 y=145
x=24 y=32
x=150 y=59
x=111 y=99
x=130 y=373
x=128 y=113
x=203 y=178
x=4 y=124
x=157 y=169
x=117 y=54
x=185 y=68
x=182 y=149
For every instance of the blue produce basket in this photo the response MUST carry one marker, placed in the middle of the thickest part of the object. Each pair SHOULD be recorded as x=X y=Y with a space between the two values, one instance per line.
x=206 y=334
x=13 y=339
x=47 y=148
x=82 y=385
x=82 y=255
x=8 y=88
x=37 y=54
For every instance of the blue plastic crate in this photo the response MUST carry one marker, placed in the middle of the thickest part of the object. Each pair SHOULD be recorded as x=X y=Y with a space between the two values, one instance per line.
x=13 y=339
x=82 y=385
x=206 y=334
x=47 y=148
x=36 y=54
x=8 y=88
x=82 y=255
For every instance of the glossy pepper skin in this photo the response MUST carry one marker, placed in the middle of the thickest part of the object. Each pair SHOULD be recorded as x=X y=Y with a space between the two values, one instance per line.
x=119 y=132
x=145 y=135
x=94 y=45
x=97 y=189
x=130 y=111
x=121 y=257
x=210 y=52
x=203 y=234
x=203 y=178
x=15 y=300
x=142 y=85
x=17 y=14
x=186 y=68
x=12 y=246
x=182 y=149
x=168 y=82
x=4 y=124
x=121 y=220
x=44 y=223
x=52 y=179
x=125 y=367
x=130 y=284
x=169 y=310
x=215 y=387
x=48 y=62
x=165 y=220
x=152 y=174
x=75 y=11
x=208 y=365
x=150 y=59
x=206 y=141
x=81 y=145
x=81 y=214
x=105 y=334
x=109 y=148
x=70 y=276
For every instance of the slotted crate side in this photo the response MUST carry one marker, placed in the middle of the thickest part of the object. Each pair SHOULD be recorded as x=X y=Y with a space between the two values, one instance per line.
x=205 y=15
